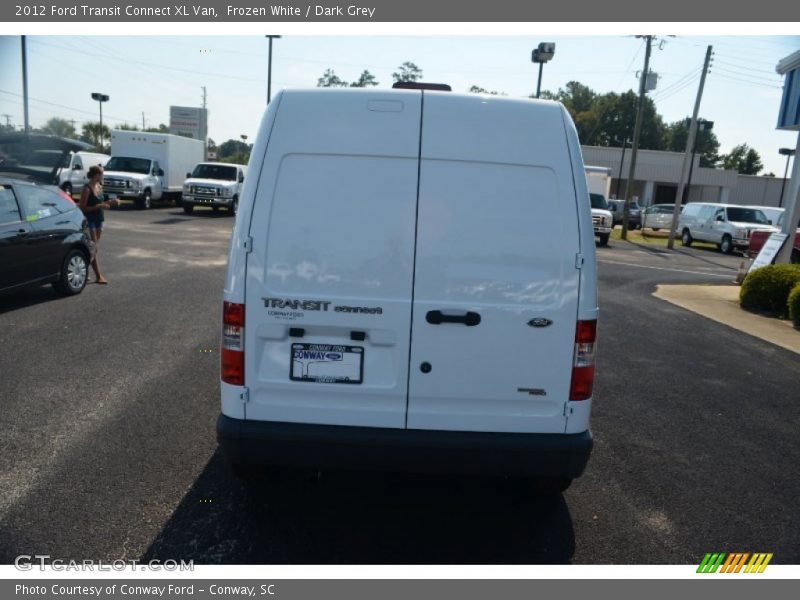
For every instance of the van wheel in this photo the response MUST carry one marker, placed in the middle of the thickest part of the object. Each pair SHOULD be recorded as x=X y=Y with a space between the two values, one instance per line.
x=726 y=247
x=604 y=239
x=188 y=208
x=234 y=205
x=145 y=201
x=656 y=228
x=178 y=201
x=67 y=187
x=74 y=274
x=686 y=238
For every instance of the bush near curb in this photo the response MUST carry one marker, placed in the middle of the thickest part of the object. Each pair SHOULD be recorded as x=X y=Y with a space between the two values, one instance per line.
x=793 y=304
x=767 y=289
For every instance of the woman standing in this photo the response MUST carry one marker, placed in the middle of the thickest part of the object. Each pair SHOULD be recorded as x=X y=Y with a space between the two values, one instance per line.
x=93 y=204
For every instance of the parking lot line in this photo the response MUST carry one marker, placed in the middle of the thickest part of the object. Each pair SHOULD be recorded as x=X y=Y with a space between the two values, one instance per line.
x=616 y=262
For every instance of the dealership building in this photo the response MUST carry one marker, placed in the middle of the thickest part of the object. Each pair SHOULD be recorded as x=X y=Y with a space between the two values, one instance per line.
x=658 y=176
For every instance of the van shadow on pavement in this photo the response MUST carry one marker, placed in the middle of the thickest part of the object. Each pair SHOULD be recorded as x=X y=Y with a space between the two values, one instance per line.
x=363 y=518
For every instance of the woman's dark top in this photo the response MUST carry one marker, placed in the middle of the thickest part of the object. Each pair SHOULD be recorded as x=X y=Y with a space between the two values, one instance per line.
x=94 y=216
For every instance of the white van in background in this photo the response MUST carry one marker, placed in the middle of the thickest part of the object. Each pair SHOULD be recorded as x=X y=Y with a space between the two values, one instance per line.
x=598 y=180
x=213 y=184
x=411 y=285
x=72 y=176
x=726 y=225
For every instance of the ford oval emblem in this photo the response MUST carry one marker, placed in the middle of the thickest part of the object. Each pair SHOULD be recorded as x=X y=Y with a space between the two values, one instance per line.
x=540 y=322
x=333 y=356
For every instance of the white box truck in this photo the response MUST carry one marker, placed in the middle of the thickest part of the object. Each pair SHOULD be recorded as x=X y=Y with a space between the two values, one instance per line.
x=598 y=181
x=146 y=167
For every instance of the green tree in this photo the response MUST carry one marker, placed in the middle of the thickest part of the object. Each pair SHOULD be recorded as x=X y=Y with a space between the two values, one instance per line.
x=91 y=134
x=743 y=159
x=408 y=71
x=127 y=127
x=330 y=79
x=60 y=127
x=706 y=143
x=366 y=79
x=160 y=129
x=476 y=89
x=234 y=151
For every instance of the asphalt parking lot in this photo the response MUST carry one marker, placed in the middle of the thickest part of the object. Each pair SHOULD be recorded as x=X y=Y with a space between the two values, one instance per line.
x=108 y=402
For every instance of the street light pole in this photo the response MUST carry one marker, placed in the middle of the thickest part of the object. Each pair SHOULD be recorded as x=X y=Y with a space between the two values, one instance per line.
x=541 y=55
x=100 y=99
x=788 y=153
x=269 y=66
x=25 y=84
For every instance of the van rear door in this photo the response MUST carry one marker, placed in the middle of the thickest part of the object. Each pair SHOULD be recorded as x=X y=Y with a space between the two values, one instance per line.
x=496 y=285
x=329 y=277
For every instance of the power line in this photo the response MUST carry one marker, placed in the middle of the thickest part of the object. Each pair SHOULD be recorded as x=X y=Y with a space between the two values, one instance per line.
x=71 y=108
x=745 y=81
x=772 y=80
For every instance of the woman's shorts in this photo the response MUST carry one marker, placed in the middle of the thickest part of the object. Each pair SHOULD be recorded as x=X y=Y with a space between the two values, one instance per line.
x=96 y=226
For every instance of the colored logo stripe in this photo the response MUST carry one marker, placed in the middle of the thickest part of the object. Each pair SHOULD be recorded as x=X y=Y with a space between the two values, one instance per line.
x=734 y=562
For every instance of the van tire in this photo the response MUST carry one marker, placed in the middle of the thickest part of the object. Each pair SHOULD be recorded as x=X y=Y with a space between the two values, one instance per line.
x=726 y=247
x=188 y=208
x=604 y=239
x=146 y=201
x=686 y=238
x=67 y=187
x=234 y=206
x=74 y=274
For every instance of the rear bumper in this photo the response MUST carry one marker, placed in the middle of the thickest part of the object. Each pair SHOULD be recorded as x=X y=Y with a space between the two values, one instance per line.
x=414 y=450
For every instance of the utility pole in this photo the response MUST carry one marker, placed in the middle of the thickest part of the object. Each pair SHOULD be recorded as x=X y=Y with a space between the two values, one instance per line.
x=625 y=141
x=269 y=66
x=205 y=138
x=143 y=121
x=689 y=145
x=8 y=126
x=25 y=85
x=637 y=132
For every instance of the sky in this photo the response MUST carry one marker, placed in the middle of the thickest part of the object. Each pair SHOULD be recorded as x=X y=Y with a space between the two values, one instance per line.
x=149 y=74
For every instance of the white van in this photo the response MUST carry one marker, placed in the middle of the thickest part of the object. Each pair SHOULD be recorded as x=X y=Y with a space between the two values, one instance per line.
x=726 y=225
x=213 y=184
x=411 y=285
x=72 y=176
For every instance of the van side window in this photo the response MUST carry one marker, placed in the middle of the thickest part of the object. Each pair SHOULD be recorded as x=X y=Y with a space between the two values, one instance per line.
x=719 y=213
x=77 y=165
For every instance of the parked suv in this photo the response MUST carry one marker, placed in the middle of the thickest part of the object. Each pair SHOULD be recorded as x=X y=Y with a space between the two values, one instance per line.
x=617 y=208
x=726 y=225
x=395 y=299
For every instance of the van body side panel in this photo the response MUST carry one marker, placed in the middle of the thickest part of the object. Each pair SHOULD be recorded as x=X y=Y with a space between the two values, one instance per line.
x=497 y=236
x=235 y=275
x=333 y=240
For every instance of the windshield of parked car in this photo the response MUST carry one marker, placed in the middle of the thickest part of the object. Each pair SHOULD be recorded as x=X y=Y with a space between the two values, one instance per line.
x=747 y=215
x=225 y=173
x=128 y=164
x=598 y=201
x=634 y=205
x=31 y=158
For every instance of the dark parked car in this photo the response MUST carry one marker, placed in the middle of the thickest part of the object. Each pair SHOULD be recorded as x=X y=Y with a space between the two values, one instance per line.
x=617 y=208
x=43 y=234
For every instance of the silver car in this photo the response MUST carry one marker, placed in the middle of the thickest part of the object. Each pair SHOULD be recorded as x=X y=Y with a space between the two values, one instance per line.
x=658 y=216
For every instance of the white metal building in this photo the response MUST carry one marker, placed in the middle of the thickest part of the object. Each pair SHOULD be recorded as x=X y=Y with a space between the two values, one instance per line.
x=658 y=174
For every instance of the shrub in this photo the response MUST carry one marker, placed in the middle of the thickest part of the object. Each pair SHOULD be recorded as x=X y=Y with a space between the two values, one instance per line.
x=767 y=289
x=793 y=305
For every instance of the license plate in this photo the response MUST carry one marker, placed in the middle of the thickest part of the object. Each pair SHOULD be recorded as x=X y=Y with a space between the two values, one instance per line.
x=327 y=363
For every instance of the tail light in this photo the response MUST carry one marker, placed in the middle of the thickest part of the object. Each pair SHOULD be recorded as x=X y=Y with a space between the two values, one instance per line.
x=232 y=365
x=583 y=364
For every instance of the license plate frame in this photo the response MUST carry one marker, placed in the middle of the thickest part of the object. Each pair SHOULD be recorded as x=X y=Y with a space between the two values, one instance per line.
x=326 y=363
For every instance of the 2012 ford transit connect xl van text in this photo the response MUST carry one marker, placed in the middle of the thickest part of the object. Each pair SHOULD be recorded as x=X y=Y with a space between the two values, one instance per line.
x=411 y=285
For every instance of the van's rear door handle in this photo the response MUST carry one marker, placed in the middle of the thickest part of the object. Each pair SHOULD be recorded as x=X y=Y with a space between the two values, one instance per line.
x=435 y=317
